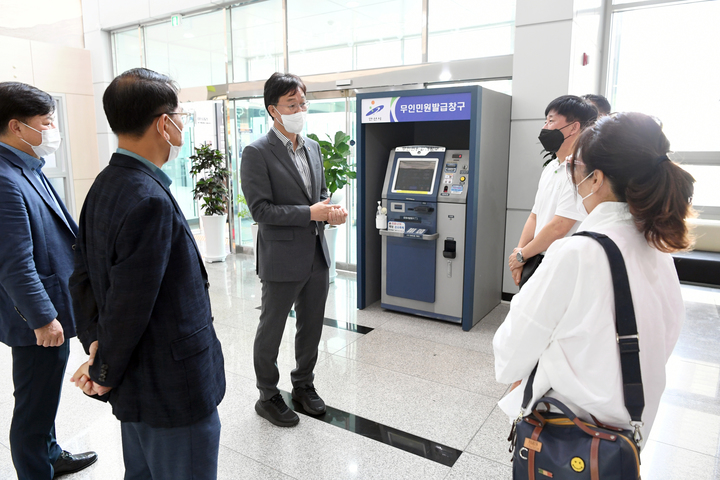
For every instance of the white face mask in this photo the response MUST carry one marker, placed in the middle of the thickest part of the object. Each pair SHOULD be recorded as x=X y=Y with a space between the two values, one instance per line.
x=293 y=123
x=174 y=151
x=581 y=204
x=50 y=141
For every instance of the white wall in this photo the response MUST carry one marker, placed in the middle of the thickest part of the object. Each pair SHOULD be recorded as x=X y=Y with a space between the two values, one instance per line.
x=60 y=69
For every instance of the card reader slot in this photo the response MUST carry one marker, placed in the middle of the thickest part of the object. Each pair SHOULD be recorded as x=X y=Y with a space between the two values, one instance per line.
x=387 y=233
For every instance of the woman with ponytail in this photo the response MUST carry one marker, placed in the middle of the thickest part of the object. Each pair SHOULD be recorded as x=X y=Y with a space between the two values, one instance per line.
x=563 y=320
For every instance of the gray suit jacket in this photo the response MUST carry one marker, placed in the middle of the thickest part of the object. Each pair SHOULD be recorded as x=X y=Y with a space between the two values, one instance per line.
x=279 y=203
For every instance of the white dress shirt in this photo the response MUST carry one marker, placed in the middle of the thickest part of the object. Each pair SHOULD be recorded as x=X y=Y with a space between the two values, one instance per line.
x=555 y=196
x=298 y=157
x=564 y=317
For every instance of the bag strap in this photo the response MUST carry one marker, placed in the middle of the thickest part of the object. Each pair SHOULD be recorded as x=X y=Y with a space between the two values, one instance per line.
x=626 y=332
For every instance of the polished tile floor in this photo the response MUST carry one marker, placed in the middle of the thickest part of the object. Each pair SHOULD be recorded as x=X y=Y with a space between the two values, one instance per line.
x=408 y=374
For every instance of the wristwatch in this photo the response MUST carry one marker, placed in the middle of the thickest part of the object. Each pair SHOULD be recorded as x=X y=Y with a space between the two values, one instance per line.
x=519 y=256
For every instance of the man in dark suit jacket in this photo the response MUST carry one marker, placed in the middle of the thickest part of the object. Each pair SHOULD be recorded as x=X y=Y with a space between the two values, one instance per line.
x=140 y=293
x=283 y=183
x=36 y=238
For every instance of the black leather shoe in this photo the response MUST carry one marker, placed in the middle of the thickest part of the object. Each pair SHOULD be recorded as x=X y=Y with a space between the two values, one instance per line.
x=277 y=412
x=309 y=399
x=69 y=463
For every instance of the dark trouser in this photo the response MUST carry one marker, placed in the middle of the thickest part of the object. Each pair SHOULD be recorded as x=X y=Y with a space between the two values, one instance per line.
x=309 y=297
x=181 y=453
x=37 y=375
x=529 y=268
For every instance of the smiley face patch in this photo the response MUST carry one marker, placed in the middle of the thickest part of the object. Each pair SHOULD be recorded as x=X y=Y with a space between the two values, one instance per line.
x=577 y=464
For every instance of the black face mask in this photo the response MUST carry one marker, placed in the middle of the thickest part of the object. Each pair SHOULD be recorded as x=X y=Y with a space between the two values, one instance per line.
x=551 y=141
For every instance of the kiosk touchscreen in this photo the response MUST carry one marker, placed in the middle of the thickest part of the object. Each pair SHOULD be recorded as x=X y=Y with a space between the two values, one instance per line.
x=415 y=176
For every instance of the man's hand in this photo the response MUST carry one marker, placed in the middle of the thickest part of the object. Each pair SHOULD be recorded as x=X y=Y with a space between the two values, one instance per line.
x=512 y=260
x=319 y=212
x=337 y=215
x=517 y=274
x=93 y=351
x=81 y=379
x=51 y=335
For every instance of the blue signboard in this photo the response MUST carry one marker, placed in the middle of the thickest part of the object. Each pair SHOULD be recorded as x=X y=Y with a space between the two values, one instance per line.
x=426 y=108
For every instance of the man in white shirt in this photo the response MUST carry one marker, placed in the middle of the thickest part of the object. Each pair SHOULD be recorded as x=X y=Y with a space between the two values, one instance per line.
x=555 y=214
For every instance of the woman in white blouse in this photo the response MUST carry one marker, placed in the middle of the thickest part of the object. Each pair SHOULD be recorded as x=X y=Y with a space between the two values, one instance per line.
x=564 y=318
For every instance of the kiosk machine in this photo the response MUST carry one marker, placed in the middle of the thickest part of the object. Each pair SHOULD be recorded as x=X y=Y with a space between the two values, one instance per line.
x=423 y=248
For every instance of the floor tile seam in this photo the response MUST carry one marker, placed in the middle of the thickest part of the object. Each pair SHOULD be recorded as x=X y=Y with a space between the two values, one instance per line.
x=705 y=364
x=363 y=418
x=419 y=377
x=478 y=456
x=712 y=402
x=466 y=349
x=227 y=370
x=685 y=334
x=392 y=425
x=682 y=448
x=259 y=462
x=436 y=341
x=698 y=362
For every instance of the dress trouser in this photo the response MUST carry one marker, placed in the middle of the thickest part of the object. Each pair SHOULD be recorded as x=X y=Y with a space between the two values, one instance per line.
x=38 y=374
x=309 y=296
x=181 y=453
x=531 y=265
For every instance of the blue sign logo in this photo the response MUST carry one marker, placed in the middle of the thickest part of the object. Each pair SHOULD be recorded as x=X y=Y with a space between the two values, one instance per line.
x=374 y=110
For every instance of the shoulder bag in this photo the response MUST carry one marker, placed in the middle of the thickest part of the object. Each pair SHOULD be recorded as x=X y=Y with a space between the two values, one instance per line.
x=562 y=446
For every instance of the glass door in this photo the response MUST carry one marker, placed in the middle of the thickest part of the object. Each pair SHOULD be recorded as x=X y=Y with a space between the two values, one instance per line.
x=247 y=122
x=328 y=113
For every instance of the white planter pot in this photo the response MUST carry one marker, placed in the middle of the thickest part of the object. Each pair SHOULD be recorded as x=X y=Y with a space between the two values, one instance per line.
x=331 y=233
x=338 y=197
x=214 y=230
x=254 y=230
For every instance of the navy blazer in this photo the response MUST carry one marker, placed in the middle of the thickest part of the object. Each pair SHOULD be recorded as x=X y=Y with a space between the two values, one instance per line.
x=140 y=288
x=36 y=257
x=280 y=204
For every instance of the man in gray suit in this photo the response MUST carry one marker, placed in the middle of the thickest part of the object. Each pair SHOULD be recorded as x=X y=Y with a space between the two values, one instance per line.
x=283 y=183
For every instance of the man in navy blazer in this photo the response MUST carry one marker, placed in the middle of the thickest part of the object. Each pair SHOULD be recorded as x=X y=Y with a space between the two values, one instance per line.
x=140 y=293
x=36 y=319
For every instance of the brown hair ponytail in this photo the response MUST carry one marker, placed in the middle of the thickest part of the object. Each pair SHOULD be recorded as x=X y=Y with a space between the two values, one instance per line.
x=631 y=150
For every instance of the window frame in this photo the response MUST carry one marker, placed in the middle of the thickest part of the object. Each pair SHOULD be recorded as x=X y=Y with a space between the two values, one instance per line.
x=707 y=158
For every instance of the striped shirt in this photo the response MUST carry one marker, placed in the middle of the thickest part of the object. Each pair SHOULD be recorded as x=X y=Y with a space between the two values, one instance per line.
x=299 y=158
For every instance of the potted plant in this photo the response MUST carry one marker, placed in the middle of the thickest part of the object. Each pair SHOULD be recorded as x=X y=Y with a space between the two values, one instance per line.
x=337 y=174
x=337 y=170
x=212 y=189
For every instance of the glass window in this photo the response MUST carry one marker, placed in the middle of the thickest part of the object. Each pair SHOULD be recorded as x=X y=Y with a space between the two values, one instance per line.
x=665 y=61
x=707 y=179
x=247 y=122
x=460 y=29
x=193 y=53
x=257 y=40
x=127 y=48
x=326 y=36
x=58 y=167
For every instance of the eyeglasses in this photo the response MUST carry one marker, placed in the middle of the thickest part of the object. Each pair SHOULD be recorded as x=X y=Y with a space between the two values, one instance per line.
x=569 y=168
x=303 y=106
x=186 y=117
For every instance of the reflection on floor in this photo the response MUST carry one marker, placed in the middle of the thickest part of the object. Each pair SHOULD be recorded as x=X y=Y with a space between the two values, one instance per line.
x=427 y=380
